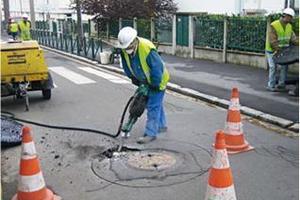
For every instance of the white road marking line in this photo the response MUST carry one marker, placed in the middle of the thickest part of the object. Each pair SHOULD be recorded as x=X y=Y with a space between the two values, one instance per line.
x=72 y=76
x=55 y=86
x=110 y=77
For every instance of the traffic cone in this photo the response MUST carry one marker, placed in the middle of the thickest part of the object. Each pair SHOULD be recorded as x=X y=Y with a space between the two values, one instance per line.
x=31 y=184
x=220 y=182
x=234 y=136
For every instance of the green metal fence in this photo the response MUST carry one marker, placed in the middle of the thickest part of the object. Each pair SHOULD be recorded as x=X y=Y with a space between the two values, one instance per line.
x=182 y=30
x=85 y=28
x=144 y=28
x=43 y=25
x=114 y=28
x=243 y=33
x=209 y=32
x=88 y=47
x=163 y=31
x=247 y=34
x=127 y=22
x=101 y=29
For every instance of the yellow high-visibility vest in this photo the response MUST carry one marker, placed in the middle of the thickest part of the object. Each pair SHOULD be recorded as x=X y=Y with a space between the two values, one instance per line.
x=144 y=48
x=25 y=30
x=283 y=35
x=13 y=27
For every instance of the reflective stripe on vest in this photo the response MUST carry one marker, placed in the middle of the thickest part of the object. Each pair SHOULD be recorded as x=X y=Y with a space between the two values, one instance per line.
x=144 y=48
x=283 y=35
x=13 y=27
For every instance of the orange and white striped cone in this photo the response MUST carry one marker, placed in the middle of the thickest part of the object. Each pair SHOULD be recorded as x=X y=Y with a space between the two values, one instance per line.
x=31 y=184
x=234 y=136
x=220 y=182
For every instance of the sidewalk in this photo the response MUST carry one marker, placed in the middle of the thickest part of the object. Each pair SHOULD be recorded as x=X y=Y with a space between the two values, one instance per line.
x=217 y=79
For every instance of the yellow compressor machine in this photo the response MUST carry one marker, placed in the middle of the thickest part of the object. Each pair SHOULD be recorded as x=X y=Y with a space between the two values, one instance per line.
x=23 y=69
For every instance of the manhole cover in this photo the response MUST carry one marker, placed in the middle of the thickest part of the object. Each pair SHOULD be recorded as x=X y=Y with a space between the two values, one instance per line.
x=151 y=160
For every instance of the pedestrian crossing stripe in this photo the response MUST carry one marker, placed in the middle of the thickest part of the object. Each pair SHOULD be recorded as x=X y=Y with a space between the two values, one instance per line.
x=107 y=76
x=72 y=76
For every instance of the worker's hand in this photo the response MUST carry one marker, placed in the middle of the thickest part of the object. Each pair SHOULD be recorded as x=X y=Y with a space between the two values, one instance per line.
x=154 y=88
x=135 y=81
x=143 y=89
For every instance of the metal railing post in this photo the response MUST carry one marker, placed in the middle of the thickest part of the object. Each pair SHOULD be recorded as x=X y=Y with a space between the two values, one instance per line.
x=135 y=23
x=120 y=24
x=107 y=30
x=174 y=35
x=224 y=56
x=152 y=28
x=48 y=38
x=191 y=35
x=72 y=47
x=66 y=43
x=84 y=46
x=61 y=41
x=93 y=49
x=78 y=46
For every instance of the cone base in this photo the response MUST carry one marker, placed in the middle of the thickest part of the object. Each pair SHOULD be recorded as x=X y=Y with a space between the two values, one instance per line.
x=50 y=196
x=220 y=193
x=232 y=150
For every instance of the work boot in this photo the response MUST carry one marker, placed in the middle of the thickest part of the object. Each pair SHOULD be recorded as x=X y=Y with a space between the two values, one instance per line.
x=146 y=139
x=293 y=93
x=271 y=89
x=281 y=88
x=163 y=129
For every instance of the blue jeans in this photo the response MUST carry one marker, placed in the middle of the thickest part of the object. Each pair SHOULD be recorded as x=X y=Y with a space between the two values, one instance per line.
x=272 y=72
x=156 y=118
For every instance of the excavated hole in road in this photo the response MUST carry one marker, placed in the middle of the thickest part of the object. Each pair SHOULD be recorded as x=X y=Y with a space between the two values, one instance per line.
x=158 y=164
x=149 y=160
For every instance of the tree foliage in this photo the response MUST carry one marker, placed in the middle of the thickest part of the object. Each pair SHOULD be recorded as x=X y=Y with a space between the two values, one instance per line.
x=128 y=9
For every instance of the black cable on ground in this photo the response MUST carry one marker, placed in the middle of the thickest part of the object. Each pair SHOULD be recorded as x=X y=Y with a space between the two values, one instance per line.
x=118 y=182
x=9 y=115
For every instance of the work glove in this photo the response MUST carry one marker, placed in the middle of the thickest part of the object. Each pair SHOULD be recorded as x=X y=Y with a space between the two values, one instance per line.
x=154 y=88
x=135 y=81
x=143 y=89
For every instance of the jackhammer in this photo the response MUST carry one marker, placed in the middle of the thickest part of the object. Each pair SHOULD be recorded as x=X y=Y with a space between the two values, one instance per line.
x=136 y=109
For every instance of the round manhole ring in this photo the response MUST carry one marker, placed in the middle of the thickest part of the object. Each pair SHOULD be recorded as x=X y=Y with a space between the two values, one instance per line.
x=150 y=160
x=192 y=161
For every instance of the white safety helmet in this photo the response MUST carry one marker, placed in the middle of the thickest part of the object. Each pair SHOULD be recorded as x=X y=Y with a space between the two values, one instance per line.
x=289 y=11
x=25 y=16
x=126 y=36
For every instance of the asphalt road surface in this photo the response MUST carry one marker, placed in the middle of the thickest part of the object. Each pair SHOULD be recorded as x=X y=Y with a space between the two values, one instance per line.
x=75 y=167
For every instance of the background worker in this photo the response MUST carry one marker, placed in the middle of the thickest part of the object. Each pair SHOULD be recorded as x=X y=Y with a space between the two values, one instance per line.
x=143 y=65
x=24 y=28
x=280 y=35
x=13 y=29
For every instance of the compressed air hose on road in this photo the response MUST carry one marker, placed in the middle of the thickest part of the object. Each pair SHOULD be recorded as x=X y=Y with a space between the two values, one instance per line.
x=11 y=117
